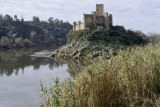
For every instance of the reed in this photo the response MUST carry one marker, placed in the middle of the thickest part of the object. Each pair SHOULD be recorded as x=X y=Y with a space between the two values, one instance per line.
x=132 y=78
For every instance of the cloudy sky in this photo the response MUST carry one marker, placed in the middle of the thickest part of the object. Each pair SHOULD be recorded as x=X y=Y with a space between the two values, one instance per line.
x=141 y=15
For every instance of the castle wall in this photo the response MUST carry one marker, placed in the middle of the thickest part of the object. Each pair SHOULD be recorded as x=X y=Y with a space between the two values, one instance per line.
x=88 y=20
x=78 y=26
x=82 y=26
x=97 y=18
x=94 y=19
x=105 y=14
x=107 y=21
x=111 y=20
x=100 y=20
x=74 y=25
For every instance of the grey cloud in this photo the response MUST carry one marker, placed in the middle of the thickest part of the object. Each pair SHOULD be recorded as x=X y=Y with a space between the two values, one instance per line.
x=136 y=14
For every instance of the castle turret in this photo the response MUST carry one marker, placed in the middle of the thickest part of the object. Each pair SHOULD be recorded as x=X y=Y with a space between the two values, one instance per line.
x=84 y=20
x=99 y=9
x=110 y=20
x=94 y=18
x=79 y=25
x=74 y=25
x=106 y=19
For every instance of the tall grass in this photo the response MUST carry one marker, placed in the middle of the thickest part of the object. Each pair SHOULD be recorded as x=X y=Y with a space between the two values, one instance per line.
x=132 y=78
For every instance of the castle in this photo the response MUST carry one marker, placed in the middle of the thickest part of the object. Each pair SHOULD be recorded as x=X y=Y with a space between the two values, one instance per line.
x=97 y=18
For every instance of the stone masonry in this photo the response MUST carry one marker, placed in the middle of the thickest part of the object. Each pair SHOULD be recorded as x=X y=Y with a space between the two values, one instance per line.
x=95 y=19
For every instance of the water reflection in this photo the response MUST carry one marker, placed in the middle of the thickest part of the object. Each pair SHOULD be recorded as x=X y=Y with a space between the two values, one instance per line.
x=22 y=70
x=20 y=76
x=11 y=61
x=74 y=66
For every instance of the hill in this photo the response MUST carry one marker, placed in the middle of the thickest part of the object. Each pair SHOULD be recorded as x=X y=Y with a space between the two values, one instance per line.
x=91 y=43
x=17 y=33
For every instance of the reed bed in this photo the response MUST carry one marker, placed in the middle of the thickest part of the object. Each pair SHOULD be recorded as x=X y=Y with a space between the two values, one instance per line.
x=130 y=79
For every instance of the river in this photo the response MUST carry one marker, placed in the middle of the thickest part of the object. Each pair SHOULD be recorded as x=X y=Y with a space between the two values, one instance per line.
x=21 y=72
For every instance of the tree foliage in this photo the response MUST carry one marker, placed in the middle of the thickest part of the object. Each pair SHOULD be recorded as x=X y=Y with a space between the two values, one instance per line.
x=39 y=32
x=115 y=35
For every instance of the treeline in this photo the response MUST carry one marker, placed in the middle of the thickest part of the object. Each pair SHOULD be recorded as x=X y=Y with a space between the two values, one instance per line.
x=18 y=33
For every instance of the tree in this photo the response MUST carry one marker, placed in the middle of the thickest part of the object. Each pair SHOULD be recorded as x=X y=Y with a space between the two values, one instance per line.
x=5 y=42
x=1 y=17
x=20 y=42
x=51 y=20
x=36 y=19
x=15 y=18
x=22 y=19
x=46 y=31
x=56 y=22
x=61 y=23
x=8 y=18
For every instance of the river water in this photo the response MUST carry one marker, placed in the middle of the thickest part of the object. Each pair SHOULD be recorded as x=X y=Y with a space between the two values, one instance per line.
x=21 y=72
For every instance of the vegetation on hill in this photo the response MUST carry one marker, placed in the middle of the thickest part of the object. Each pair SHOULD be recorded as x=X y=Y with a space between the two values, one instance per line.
x=129 y=79
x=90 y=43
x=115 y=35
x=16 y=32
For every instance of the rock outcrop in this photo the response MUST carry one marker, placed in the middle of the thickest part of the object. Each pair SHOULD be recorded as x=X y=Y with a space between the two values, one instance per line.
x=93 y=43
x=79 y=51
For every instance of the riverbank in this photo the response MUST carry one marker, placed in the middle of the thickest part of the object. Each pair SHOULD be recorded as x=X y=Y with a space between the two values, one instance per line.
x=129 y=79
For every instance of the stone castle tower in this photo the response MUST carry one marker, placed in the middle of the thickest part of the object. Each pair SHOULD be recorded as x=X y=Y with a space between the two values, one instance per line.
x=97 y=18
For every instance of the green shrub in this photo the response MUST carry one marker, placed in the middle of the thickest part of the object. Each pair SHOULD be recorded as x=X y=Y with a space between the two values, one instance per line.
x=115 y=35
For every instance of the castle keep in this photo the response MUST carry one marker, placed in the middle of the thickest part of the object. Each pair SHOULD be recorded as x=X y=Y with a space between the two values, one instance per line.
x=97 y=18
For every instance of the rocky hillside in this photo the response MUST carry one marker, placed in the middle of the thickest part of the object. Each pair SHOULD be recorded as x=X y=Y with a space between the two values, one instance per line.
x=101 y=42
x=18 y=33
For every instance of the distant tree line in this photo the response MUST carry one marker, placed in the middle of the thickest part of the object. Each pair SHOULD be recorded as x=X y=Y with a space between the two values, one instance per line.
x=154 y=37
x=16 y=32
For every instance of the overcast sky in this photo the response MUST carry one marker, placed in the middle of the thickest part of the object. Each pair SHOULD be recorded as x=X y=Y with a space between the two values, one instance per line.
x=141 y=15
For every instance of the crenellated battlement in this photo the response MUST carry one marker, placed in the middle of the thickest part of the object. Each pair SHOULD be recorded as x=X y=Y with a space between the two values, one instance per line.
x=100 y=15
x=99 y=4
x=88 y=14
x=78 y=22
x=96 y=18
